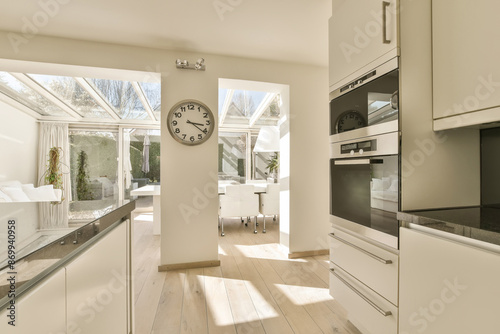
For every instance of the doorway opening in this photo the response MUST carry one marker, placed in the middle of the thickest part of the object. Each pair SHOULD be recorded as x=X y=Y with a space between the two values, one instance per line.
x=254 y=150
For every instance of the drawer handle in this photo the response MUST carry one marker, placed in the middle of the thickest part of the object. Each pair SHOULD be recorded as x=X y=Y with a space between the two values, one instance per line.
x=366 y=299
x=373 y=256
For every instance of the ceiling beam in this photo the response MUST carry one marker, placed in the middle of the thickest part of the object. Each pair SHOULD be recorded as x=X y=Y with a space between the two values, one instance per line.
x=18 y=105
x=264 y=104
x=98 y=98
x=225 y=106
x=46 y=94
x=144 y=100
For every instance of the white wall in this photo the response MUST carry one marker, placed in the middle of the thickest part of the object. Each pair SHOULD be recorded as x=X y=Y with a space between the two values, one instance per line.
x=187 y=170
x=18 y=161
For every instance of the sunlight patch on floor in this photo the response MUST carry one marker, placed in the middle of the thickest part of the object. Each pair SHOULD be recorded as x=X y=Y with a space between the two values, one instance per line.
x=301 y=295
x=223 y=319
x=221 y=251
x=147 y=217
x=265 y=309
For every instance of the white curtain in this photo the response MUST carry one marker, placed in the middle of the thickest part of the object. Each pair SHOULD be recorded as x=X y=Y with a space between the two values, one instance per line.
x=127 y=165
x=54 y=135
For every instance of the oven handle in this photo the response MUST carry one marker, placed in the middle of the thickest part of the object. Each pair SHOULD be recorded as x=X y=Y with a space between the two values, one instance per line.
x=358 y=162
x=373 y=256
x=366 y=299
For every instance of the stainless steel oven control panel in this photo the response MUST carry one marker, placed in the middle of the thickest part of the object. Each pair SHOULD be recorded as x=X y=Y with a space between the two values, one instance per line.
x=384 y=144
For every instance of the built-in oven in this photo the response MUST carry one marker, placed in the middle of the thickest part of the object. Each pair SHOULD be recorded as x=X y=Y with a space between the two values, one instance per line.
x=365 y=186
x=366 y=106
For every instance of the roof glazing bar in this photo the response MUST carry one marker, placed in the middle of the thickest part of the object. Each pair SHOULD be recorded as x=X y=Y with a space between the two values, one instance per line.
x=46 y=94
x=266 y=101
x=225 y=106
x=97 y=97
x=144 y=100
x=17 y=105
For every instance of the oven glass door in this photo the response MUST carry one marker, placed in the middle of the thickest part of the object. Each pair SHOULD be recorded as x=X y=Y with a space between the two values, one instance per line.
x=366 y=191
x=372 y=103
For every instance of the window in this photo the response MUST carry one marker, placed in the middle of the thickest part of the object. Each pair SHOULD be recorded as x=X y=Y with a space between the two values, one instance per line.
x=94 y=171
x=233 y=156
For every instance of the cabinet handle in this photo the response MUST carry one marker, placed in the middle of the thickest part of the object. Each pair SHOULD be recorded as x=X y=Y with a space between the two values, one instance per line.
x=366 y=299
x=385 y=4
x=373 y=256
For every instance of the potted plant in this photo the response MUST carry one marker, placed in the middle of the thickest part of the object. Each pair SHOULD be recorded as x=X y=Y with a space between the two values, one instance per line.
x=273 y=164
x=83 y=190
x=53 y=174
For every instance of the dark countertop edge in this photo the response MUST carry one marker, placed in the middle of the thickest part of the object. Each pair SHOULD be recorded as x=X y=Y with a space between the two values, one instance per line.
x=114 y=218
x=449 y=227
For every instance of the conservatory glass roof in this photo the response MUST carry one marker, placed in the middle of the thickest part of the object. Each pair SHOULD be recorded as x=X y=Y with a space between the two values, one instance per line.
x=66 y=98
x=248 y=109
x=97 y=100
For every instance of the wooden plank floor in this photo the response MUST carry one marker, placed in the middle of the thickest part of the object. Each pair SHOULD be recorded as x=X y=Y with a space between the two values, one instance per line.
x=256 y=289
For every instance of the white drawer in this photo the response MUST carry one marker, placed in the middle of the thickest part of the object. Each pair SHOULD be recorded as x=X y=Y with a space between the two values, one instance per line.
x=370 y=264
x=368 y=311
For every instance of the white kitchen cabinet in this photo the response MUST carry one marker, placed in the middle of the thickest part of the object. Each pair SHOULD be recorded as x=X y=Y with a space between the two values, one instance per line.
x=363 y=259
x=97 y=285
x=447 y=286
x=363 y=34
x=41 y=310
x=367 y=310
x=466 y=75
x=364 y=280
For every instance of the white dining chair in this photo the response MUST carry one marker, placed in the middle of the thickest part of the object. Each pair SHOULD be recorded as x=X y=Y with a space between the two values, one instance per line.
x=238 y=201
x=269 y=203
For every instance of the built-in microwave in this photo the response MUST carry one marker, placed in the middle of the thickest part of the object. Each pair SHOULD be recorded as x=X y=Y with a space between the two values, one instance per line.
x=367 y=105
x=365 y=186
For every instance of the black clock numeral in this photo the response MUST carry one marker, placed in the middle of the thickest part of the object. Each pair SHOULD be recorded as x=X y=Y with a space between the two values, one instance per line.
x=200 y=136
x=208 y=122
x=183 y=108
x=174 y=123
x=199 y=108
x=205 y=115
x=183 y=136
x=177 y=130
x=205 y=130
x=191 y=138
x=178 y=115
x=190 y=106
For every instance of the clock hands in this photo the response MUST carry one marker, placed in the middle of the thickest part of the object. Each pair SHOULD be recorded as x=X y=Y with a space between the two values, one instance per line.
x=188 y=121
x=196 y=125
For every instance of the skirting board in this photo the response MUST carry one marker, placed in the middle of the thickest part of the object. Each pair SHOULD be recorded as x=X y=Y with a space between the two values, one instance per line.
x=188 y=265
x=296 y=255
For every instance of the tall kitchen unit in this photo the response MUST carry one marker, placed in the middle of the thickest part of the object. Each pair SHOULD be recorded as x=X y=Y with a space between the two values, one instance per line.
x=366 y=36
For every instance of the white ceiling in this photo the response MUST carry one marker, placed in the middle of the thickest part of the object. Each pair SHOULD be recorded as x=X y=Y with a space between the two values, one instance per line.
x=285 y=30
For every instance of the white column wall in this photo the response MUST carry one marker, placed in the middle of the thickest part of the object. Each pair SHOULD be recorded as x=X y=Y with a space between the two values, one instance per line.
x=188 y=171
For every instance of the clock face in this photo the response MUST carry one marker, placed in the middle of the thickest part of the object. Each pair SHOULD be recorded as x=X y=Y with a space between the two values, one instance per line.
x=350 y=120
x=190 y=122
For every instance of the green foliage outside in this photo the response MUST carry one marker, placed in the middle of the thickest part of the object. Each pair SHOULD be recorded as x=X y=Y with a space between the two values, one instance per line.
x=53 y=174
x=136 y=148
x=83 y=190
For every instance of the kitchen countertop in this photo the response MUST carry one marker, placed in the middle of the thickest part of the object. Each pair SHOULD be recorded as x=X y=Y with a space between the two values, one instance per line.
x=34 y=267
x=479 y=223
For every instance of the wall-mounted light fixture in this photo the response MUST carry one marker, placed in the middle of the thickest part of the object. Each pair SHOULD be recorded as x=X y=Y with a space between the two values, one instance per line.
x=199 y=66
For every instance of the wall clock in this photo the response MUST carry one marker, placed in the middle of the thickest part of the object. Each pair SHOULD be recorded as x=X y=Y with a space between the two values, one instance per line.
x=190 y=122
x=349 y=120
